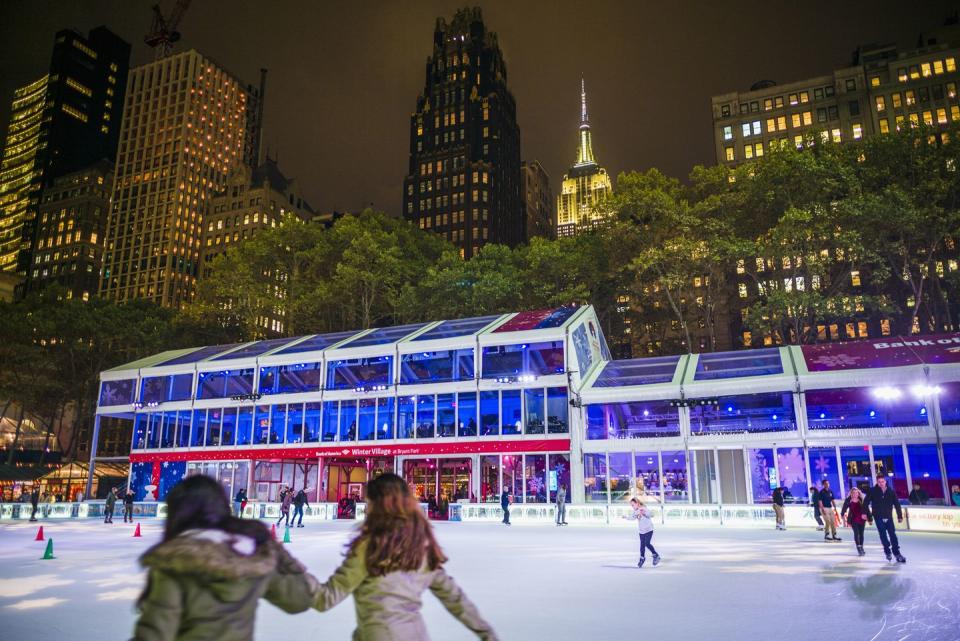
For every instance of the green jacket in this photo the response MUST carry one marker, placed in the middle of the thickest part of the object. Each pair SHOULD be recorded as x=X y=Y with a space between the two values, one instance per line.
x=388 y=607
x=204 y=585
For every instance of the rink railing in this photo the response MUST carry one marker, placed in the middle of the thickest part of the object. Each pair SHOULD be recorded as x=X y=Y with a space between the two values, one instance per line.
x=916 y=518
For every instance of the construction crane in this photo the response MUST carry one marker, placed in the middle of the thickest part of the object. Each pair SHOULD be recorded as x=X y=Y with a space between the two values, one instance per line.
x=163 y=31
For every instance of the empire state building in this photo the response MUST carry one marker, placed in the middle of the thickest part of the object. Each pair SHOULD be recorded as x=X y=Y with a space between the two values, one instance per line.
x=586 y=184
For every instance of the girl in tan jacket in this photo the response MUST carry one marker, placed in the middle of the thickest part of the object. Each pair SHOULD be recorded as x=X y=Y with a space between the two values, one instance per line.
x=390 y=563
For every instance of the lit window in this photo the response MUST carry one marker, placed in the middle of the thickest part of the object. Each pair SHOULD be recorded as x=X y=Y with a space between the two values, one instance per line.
x=798 y=141
x=881 y=103
x=911 y=98
x=902 y=74
x=740 y=266
x=728 y=133
x=748 y=151
x=767 y=104
x=874 y=81
x=742 y=289
x=835 y=135
x=938 y=67
x=745 y=128
x=76 y=113
x=793 y=99
x=914 y=72
x=771 y=125
x=954 y=113
x=951 y=64
x=758 y=149
x=808 y=117
x=897 y=101
x=782 y=123
x=747 y=339
x=93 y=237
x=914 y=119
x=925 y=70
x=855 y=278
x=73 y=84
x=857 y=131
x=759 y=264
x=941 y=116
x=795 y=120
x=804 y=96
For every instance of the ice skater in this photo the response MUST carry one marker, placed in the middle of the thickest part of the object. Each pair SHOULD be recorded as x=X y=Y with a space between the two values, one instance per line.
x=815 y=507
x=828 y=507
x=857 y=519
x=879 y=505
x=240 y=502
x=298 y=502
x=505 y=500
x=286 y=498
x=778 y=508
x=645 y=527
x=389 y=564
x=562 y=505
x=109 y=504
x=34 y=501
x=955 y=494
x=210 y=570
x=128 y=506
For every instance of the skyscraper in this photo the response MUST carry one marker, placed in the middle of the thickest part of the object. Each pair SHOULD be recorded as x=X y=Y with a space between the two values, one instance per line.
x=187 y=124
x=585 y=185
x=61 y=123
x=463 y=180
x=537 y=201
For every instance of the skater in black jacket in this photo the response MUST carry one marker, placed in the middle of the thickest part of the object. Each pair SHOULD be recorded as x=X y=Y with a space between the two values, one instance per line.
x=879 y=505
x=505 y=506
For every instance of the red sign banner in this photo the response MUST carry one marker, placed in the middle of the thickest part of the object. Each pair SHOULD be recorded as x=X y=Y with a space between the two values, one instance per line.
x=894 y=351
x=351 y=450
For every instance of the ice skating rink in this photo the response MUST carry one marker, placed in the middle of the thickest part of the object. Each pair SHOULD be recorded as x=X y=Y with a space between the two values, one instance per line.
x=533 y=582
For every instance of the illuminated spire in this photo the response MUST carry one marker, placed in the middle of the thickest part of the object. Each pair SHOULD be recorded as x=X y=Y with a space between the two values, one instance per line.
x=585 y=149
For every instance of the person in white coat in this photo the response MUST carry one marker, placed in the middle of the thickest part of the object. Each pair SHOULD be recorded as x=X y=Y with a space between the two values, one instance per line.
x=645 y=526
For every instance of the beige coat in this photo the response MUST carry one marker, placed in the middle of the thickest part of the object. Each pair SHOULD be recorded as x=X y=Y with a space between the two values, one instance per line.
x=388 y=607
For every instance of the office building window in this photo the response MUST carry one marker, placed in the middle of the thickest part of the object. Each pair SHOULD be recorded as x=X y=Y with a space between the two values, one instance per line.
x=728 y=133
x=857 y=131
x=728 y=152
x=851 y=84
x=881 y=103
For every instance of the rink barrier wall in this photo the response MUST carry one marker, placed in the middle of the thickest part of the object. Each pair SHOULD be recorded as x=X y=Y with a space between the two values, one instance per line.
x=916 y=518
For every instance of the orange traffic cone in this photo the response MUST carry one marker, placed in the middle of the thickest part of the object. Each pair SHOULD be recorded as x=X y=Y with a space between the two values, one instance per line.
x=273 y=531
x=137 y=531
x=39 y=534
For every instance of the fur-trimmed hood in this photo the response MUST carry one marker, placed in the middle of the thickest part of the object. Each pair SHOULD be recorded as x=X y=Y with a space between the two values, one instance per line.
x=214 y=555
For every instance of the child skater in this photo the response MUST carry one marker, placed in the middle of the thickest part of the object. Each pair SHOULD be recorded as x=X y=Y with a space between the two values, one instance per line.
x=645 y=526
x=392 y=560
x=211 y=569
x=858 y=517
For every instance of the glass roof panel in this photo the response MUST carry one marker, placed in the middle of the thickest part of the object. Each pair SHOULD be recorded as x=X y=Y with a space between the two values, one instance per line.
x=540 y=319
x=460 y=327
x=255 y=349
x=318 y=342
x=756 y=362
x=385 y=335
x=638 y=371
x=199 y=354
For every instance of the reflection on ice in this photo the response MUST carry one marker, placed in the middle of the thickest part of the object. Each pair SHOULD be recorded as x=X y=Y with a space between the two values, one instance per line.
x=10 y=588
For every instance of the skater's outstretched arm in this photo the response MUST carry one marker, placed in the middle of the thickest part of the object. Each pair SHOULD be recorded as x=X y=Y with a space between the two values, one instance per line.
x=291 y=588
x=344 y=581
x=456 y=602
x=160 y=609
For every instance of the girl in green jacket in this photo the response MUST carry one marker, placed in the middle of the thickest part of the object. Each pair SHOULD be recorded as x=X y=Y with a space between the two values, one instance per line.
x=390 y=563
x=207 y=575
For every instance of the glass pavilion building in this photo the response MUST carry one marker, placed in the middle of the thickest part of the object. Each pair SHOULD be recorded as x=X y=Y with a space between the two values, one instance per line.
x=532 y=402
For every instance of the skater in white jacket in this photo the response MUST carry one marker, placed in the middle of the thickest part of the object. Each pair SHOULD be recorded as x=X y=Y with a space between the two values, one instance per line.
x=645 y=525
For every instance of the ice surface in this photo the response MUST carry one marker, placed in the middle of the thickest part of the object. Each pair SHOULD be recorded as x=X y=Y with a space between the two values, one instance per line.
x=534 y=582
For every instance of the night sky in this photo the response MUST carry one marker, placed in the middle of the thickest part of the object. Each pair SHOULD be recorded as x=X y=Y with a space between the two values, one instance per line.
x=344 y=76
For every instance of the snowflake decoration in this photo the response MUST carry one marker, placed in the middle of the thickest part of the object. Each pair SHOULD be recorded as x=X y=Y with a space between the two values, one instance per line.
x=822 y=465
x=839 y=361
x=791 y=467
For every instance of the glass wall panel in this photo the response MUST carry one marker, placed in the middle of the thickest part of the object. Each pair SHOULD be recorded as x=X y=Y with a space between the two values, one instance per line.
x=793 y=474
x=330 y=415
x=241 y=474
x=490 y=479
x=535 y=414
x=732 y=477
x=183 y=428
x=823 y=467
x=537 y=359
x=228 y=426
x=426 y=415
x=278 y=422
x=214 y=416
x=385 y=418
x=245 y=426
x=295 y=423
x=621 y=477
x=763 y=474
x=863 y=407
x=160 y=389
x=925 y=471
x=197 y=427
x=951 y=457
x=311 y=423
x=156 y=430
x=118 y=392
x=513 y=475
x=558 y=407
x=406 y=417
x=559 y=475
x=489 y=413
x=367 y=419
x=647 y=485
x=949 y=398
x=225 y=476
x=535 y=477
x=224 y=384
x=290 y=379
x=596 y=422
x=261 y=425
x=675 y=480
x=704 y=466
x=511 y=421
x=436 y=367
x=633 y=420
x=745 y=413
x=855 y=463
x=348 y=420
x=359 y=373
x=467 y=414
x=888 y=460
x=446 y=415
x=595 y=477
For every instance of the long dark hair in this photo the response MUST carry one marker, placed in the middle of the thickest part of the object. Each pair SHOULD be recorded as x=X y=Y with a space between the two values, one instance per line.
x=398 y=535
x=200 y=502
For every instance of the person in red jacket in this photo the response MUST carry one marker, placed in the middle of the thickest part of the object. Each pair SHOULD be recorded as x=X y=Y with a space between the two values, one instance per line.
x=857 y=519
